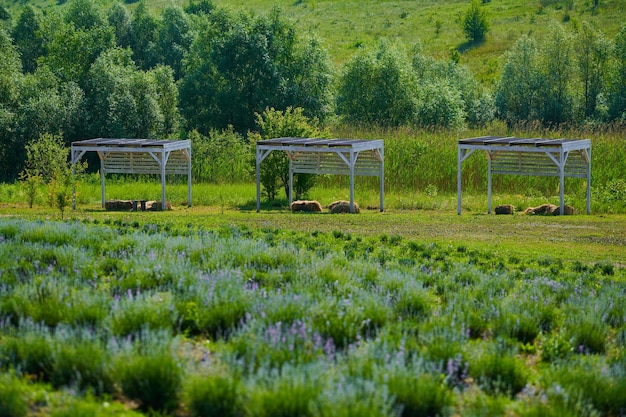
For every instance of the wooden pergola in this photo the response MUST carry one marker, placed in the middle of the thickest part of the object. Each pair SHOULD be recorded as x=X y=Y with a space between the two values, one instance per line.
x=530 y=156
x=138 y=156
x=326 y=156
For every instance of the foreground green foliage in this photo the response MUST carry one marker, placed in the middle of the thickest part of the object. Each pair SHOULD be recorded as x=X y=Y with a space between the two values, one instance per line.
x=245 y=321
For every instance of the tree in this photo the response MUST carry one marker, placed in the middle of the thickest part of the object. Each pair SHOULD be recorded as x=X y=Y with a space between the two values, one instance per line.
x=10 y=78
x=463 y=99
x=174 y=38
x=48 y=105
x=144 y=37
x=121 y=21
x=518 y=92
x=378 y=88
x=47 y=160
x=123 y=101
x=617 y=80
x=84 y=14
x=72 y=50
x=474 y=22
x=275 y=168
x=592 y=50
x=238 y=67
x=556 y=67
x=27 y=39
x=200 y=7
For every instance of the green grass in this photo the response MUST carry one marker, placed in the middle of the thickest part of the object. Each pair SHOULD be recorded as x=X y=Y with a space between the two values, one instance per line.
x=586 y=238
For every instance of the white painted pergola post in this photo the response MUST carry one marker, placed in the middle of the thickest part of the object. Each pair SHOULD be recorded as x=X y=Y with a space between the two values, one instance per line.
x=381 y=178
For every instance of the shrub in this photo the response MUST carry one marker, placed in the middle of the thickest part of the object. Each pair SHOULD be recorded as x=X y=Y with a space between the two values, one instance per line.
x=289 y=392
x=474 y=23
x=148 y=373
x=30 y=354
x=498 y=372
x=377 y=88
x=354 y=397
x=13 y=401
x=275 y=168
x=417 y=393
x=587 y=380
x=215 y=395
x=80 y=362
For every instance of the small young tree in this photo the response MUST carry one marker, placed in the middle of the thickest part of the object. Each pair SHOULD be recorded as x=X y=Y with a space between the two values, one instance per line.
x=47 y=162
x=275 y=168
x=474 y=22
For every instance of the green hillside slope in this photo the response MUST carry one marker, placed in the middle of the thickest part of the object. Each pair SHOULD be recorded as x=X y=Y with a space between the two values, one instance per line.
x=345 y=25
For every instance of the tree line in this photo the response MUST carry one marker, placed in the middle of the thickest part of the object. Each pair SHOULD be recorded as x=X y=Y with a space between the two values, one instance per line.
x=85 y=71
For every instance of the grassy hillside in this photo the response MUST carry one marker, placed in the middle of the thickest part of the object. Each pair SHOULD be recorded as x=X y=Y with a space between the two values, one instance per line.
x=345 y=25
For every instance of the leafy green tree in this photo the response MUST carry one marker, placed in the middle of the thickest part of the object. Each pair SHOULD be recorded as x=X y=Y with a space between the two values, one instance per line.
x=556 y=65
x=11 y=151
x=84 y=14
x=200 y=7
x=48 y=105
x=274 y=123
x=474 y=22
x=71 y=50
x=144 y=39
x=617 y=80
x=518 y=94
x=27 y=39
x=167 y=98
x=440 y=105
x=120 y=20
x=123 y=101
x=592 y=50
x=378 y=88
x=46 y=156
x=47 y=161
x=237 y=67
x=174 y=37
x=476 y=106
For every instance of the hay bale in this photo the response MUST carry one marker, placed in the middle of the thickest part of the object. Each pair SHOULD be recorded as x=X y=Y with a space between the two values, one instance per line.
x=567 y=210
x=542 y=209
x=505 y=209
x=308 y=206
x=156 y=205
x=118 y=205
x=342 y=206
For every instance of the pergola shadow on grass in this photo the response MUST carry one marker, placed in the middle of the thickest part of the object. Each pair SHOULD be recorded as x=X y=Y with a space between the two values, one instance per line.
x=138 y=156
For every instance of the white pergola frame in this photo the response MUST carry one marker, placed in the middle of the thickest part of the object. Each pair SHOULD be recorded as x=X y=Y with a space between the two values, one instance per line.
x=326 y=156
x=138 y=156
x=530 y=156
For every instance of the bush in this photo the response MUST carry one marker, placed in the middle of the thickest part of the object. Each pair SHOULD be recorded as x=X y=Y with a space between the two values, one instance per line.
x=418 y=394
x=82 y=363
x=377 y=88
x=13 y=402
x=215 y=395
x=474 y=23
x=275 y=168
x=498 y=372
x=148 y=373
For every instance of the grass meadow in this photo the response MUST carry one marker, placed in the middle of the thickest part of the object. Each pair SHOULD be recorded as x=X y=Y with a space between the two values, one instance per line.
x=216 y=310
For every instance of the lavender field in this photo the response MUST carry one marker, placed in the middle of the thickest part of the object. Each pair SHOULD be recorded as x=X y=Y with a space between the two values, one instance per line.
x=107 y=318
